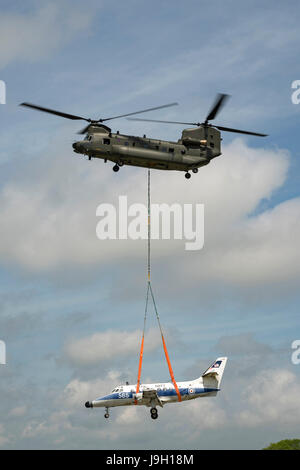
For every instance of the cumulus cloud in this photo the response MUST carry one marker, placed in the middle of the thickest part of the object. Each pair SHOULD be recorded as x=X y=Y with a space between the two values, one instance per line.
x=71 y=401
x=78 y=391
x=4 y=439
x=33 y=35
x=49 y=217
x=271 y=398
x=105 y=347
x=18 y=411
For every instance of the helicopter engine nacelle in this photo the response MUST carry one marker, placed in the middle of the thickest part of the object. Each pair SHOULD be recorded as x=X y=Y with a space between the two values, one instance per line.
x=193 y=137
x=208 y=137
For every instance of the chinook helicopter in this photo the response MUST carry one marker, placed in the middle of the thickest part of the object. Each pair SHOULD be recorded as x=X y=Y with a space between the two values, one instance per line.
x=196 y=147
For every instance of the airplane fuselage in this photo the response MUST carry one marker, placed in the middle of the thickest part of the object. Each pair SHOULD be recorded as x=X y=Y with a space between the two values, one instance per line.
x=153 y=395
x=125 y=395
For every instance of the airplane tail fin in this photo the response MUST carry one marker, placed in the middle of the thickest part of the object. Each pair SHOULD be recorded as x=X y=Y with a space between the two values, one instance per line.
x=213 y=375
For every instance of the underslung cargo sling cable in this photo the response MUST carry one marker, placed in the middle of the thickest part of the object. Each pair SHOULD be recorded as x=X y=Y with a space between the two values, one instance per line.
x=149 y=290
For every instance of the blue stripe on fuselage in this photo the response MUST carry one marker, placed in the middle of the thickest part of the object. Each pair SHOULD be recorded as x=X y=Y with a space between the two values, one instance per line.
x=160 y=393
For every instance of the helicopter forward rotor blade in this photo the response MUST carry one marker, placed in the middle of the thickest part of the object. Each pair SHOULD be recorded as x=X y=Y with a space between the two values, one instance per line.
x=238 y=131
x=52 y=111
x=139 y=112
x=219 y=103
x=164 y=122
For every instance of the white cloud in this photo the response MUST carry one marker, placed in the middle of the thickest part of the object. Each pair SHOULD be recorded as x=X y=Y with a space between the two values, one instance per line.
x=32 y=36
x=49 y=217
x=105 y=347
x=77 y=392
x=200 y=414
x=18 y=411
x=271 y=399
x=4 y=439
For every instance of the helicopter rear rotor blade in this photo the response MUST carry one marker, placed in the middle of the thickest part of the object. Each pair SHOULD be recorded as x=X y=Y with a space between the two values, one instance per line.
x=238 y=131
x=164 y=122
x=218 y=105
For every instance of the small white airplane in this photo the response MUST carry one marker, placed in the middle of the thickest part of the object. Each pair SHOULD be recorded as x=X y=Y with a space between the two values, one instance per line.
x=153 y=395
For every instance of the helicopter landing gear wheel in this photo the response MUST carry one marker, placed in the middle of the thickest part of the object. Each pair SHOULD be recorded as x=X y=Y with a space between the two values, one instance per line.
x=195 y=170
x=154 y=413
x=116 y=168
x=106 y=413
x=120 y=163
x=187 y=175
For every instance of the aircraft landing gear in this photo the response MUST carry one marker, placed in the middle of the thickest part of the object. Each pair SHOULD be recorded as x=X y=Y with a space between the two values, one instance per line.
x=195 y=170
x=116 y=167
x=187 y=175
x=154 y=413
x=106 y=413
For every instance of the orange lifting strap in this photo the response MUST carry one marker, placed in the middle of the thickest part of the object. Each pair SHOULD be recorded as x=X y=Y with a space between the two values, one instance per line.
x=149 y=289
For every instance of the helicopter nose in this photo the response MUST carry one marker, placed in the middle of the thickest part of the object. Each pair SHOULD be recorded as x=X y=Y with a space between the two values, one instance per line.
x=77 y=147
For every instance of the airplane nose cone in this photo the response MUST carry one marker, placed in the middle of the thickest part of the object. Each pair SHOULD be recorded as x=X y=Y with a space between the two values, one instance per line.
x=88 y=404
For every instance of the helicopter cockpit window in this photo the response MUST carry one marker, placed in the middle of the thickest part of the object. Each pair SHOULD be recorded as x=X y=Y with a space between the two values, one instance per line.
x=89 y=137
x=106 y=141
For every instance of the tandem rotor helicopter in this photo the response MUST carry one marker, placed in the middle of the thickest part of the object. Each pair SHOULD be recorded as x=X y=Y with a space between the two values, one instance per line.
x=196 y=147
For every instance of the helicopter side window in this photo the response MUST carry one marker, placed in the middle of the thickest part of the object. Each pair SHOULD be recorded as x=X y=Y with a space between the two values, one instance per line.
x=212 y=145
x=106 y=141
x=171 y=150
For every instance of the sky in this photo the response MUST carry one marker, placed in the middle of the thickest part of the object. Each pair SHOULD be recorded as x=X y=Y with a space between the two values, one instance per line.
x=72 y=306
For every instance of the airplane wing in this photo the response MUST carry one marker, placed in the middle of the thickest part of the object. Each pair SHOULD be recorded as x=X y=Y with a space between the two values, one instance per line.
x=152 y=397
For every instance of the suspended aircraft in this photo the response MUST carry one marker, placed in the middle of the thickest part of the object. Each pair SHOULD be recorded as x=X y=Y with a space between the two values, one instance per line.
x=195 y=148
x=153 y=395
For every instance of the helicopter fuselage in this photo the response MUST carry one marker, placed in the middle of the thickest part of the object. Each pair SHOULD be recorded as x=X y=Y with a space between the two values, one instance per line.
x=196 y=148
